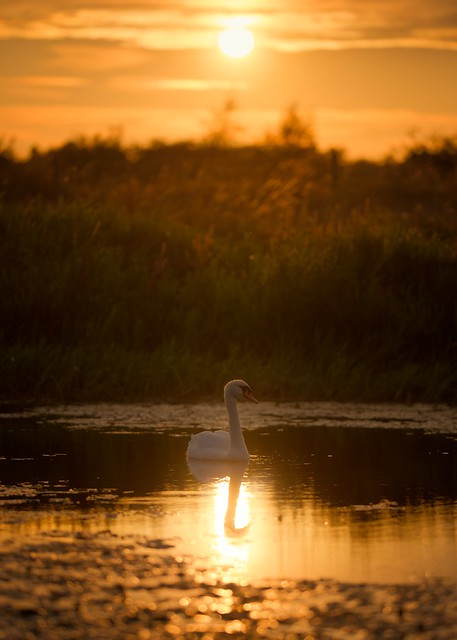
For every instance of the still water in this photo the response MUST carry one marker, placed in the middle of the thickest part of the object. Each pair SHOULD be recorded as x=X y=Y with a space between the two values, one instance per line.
x=352 y=492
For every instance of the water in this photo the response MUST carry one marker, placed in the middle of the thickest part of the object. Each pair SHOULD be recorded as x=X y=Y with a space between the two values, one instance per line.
x=352 y=492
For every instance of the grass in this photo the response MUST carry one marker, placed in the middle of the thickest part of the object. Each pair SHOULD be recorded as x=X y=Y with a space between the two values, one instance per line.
x=181 y=267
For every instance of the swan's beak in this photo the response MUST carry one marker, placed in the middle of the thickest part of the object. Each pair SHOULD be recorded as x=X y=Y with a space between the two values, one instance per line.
x=247 y=395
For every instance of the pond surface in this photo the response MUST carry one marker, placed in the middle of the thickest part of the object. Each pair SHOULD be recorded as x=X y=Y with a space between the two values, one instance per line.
x=357 y=493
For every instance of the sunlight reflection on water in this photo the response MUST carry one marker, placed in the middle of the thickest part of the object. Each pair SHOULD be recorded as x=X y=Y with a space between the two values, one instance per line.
x=340 y=494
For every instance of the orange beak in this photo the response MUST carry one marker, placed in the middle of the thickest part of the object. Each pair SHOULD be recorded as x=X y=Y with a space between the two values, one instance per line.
x=247 y=394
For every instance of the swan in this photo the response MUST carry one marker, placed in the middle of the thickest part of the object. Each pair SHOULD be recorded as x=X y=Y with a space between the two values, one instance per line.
x=224 y=445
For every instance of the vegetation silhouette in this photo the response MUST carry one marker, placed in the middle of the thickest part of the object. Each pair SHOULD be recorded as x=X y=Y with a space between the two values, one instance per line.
x=157 y=271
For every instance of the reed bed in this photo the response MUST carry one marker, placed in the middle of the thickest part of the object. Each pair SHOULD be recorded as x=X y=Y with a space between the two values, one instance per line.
x=158 y=273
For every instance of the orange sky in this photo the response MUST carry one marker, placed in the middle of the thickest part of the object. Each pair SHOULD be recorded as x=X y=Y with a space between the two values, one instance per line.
x=364 y=74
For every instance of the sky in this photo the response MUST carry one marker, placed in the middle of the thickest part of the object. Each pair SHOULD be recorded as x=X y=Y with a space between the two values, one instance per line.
x=368 y=76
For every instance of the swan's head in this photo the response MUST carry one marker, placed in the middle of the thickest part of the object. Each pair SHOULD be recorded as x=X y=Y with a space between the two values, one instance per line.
x=240 y=390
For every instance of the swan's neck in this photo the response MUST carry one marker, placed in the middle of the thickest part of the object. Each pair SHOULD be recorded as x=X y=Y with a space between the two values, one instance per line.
x=237 y=444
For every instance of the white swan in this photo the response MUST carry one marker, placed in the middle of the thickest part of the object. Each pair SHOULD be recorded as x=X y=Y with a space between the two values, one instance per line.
x=224 y=445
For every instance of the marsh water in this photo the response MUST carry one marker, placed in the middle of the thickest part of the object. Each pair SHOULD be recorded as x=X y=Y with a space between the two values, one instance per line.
x=356 y=493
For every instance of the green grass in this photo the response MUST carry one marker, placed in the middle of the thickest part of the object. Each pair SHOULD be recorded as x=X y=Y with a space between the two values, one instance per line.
x=48 y=373
x=163 y=279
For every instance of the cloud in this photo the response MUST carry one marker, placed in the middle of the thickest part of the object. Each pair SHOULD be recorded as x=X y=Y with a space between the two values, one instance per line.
x=129 y=83
x=288 y=25
x=95 y=57
x=151 y=27
x=50 y=81
x=350 y=23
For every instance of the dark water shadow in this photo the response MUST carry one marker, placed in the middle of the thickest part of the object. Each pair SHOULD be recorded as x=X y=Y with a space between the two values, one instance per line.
x=334 y=465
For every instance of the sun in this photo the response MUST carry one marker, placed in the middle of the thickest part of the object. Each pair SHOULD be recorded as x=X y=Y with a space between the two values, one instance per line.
x=236 y=42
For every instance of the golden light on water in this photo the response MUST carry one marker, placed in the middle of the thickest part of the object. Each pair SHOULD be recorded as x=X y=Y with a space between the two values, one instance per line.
x=225 y=501
x=231 y=521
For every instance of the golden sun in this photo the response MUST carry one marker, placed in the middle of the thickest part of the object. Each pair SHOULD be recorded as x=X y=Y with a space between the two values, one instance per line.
x=236 y=42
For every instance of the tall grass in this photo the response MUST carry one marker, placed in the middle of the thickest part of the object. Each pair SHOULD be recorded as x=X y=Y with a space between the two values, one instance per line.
x=162 y=274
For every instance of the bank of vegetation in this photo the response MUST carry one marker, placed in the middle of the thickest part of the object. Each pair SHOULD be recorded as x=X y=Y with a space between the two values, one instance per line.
x=158 y=272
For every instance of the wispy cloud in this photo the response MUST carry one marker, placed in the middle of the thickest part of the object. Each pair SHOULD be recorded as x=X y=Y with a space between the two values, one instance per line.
x=49 y=81
x=288 y=25
x=175 y=84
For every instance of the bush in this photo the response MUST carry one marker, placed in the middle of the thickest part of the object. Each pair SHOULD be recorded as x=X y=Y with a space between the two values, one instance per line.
x=158 y=272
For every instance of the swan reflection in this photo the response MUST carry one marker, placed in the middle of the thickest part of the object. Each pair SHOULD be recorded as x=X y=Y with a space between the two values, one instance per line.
x=231 y=498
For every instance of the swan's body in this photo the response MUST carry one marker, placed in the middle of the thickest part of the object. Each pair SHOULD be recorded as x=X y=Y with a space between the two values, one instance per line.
x=224 y=445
